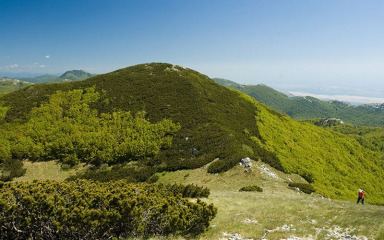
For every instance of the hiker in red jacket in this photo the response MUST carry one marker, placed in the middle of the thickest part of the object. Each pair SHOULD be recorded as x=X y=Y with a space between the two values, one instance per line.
x=361 y=197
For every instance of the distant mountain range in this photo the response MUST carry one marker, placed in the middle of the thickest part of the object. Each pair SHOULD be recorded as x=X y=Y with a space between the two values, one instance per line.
x=73 y=75
x=8 y=85
x=301 y=108
x=40 y=79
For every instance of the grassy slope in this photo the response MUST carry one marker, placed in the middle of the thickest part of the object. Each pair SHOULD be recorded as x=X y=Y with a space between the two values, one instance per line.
x=50 y=170
x=338 y=163
x=311 y=216
x=309 y=107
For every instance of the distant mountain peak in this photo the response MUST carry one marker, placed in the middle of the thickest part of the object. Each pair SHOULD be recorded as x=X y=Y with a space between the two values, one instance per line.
x=76 y=75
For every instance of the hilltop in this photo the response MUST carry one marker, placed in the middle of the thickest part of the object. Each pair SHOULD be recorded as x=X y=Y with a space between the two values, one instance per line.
x=74 y=75
x=309 y=107
x=218 y=127
x=213 y=119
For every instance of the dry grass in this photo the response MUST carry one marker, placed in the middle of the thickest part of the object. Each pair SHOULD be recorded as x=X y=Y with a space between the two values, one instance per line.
x=47 y=170
x=278 y=208
x=250 y=214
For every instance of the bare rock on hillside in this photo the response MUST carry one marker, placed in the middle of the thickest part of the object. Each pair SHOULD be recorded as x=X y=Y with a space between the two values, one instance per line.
x=246 y=162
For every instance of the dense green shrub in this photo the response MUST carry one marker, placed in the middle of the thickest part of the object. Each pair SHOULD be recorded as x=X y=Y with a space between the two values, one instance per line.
x=190 y=190
x=11 y=168
x=67 y=129
x=90 y=210
x=5 y=150
x=330 y=161
x=153 y=179
x=369 y=137
x=307 y=176
x=304 y=187
x=224 y=164
x=252 y=188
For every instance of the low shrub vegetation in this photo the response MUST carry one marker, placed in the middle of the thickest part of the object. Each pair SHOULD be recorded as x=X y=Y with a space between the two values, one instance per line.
x=304 y=187
x=328 y=160
x=252 y=188
x=92 y=210
x=189 y=190
x=11 y=169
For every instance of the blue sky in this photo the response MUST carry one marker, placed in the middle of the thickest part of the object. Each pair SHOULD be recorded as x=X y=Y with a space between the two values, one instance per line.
x=327 y=46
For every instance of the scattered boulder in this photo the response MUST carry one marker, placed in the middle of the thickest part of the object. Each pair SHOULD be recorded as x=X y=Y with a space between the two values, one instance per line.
x=285 y=228
x=295 y=189
x=233 y=236
x=246 y=162
x=247 y=221
x=265 y=170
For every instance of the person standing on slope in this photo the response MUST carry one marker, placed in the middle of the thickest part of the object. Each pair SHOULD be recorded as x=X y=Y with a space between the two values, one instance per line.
x=361 y=197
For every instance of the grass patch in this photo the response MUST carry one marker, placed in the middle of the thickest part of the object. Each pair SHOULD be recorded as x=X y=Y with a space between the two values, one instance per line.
x=50 y=170
x=250 y=214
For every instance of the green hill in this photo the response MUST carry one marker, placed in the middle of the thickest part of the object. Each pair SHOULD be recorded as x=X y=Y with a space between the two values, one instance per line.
x=213 y=119
x=74 y=75
x=310 y=107
x=218 y=126
x=8 y=85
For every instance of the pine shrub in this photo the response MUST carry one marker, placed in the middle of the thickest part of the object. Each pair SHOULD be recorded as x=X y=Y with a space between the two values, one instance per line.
x=304 y=187
x=189 y=191
x=252 y=188
x=92 y=210
x=11 y=168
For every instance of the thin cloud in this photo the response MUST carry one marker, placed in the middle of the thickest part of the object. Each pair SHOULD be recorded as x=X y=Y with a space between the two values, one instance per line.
x=47 y=56
x=42 y=66
x=12 y=66
x=343 y=98
x=9 y=67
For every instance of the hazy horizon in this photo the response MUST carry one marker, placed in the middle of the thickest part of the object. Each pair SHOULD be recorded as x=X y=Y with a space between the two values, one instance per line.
x=354 y=96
